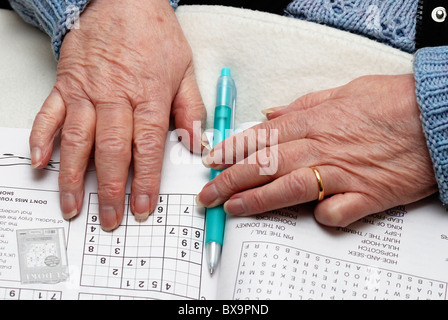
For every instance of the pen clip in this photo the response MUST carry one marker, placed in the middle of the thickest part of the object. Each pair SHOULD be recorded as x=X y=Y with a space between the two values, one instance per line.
x=233 y=107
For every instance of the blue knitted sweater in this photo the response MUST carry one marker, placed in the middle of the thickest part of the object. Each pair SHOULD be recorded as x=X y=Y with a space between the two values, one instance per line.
x=388 y=21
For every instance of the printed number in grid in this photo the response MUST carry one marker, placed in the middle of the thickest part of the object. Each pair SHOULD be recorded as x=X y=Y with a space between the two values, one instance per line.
x=163 y=253
x=28 y=294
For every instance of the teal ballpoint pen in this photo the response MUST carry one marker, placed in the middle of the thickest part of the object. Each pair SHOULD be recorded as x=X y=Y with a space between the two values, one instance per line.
x=223 y=122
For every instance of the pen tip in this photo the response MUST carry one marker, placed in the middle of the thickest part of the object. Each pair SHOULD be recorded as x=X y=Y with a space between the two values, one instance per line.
x=213 y=252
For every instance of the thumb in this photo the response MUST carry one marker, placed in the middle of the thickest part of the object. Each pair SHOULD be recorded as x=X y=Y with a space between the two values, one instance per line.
x=46 y=126
x=189 y=113
x=342 y=209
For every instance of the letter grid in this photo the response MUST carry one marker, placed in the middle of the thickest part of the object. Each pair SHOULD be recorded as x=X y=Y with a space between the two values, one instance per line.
x=272 y=271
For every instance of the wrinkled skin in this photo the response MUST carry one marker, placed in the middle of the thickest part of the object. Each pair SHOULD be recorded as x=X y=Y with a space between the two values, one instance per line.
x=120 y=76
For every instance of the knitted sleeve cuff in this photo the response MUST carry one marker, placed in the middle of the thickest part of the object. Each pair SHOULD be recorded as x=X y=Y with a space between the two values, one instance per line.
x=54 y=17
x=431 y=76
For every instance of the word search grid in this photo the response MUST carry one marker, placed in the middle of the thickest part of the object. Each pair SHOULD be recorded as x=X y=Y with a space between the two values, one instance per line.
x=163 y=253
x=273 y=271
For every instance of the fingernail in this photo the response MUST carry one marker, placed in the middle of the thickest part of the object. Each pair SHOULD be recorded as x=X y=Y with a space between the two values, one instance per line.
x=270 y=110
x=36 y=157
x=198 y=202
x=204 y=141
x=208 y=196
x=266 y=111
x=108 y=217
x=206 y=161
x=68 y=205
x=234 y=206
x=141 y=207
x=214 y=157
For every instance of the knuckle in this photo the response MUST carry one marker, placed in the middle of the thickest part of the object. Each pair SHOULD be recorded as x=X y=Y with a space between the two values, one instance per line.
x=111 y=190
x=75 y=137
x=271 y=135
x=227 y=184
x=284 y=156
x=146 y=182
x=235 y=147
x=150 y=112
x=71 y=83
x=296 y=183
x=256 y=203
x=267 y=161
x=301 y=122
x=149 y=141
x=243 y=144
x=111 y=142
x=304 y=101
x=266 y=135
x=45 y=118
x=69 y=178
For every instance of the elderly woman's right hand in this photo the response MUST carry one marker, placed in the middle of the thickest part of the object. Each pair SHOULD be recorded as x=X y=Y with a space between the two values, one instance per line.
x=118 y=76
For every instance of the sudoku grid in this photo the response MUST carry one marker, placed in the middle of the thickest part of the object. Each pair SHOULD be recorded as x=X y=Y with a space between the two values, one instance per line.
x=163 y=253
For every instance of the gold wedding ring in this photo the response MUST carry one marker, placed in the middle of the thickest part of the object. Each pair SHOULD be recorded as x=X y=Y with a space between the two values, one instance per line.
x=320 y=184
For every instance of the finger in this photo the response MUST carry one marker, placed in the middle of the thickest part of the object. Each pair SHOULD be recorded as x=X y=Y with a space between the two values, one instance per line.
x=258 y=169
x=113 y=144
x=189 y=113
x=296 y=125
x=280 y=130
x=304 y=102
x=229 y=182
x=76 y=145
x=342 y=209
x=299 y=186
x=151 y=122
x=46 y=126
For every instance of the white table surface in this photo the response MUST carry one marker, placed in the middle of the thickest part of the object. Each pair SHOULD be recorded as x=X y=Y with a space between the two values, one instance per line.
x=27 y=70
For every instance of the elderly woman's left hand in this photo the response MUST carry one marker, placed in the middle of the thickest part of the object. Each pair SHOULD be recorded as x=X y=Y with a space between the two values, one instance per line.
x=365 y=138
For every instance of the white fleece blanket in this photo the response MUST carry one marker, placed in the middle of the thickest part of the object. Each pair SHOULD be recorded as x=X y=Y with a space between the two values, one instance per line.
x=273 y=60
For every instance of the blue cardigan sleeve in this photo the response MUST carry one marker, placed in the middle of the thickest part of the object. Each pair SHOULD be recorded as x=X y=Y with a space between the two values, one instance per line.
x=54 y=17
x=431 y=79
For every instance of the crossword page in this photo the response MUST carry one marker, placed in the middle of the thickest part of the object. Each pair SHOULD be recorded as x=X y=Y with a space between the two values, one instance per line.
x=45 y=257
x=162 y=254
